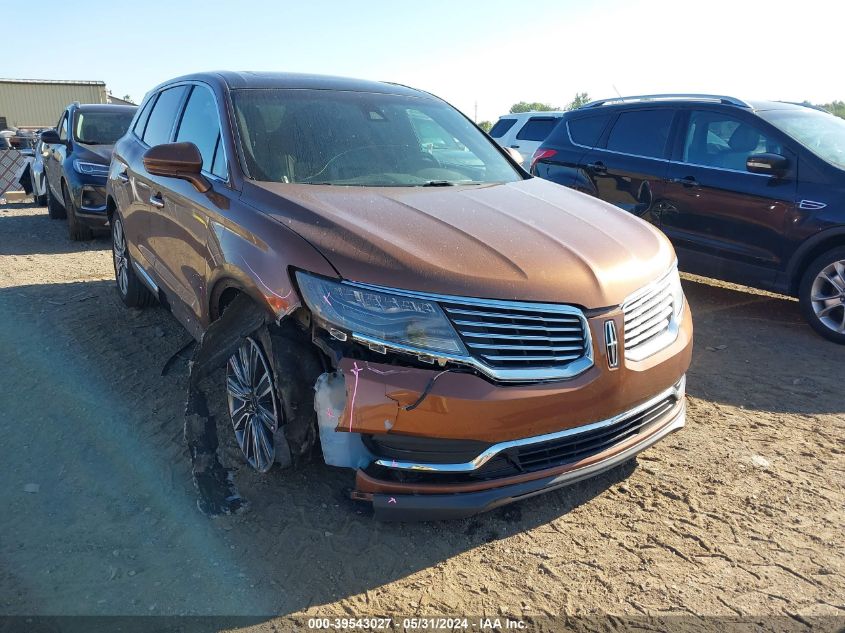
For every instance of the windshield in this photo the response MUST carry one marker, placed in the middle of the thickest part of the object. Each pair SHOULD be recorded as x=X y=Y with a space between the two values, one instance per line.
x=365 y=139
x=820 y=132
x=101 y=128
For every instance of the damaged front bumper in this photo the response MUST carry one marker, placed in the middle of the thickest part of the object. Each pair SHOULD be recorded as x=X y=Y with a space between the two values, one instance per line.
x=593 y=449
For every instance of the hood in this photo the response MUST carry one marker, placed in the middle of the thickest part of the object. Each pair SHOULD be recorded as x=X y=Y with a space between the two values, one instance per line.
x=530 y=240
x=99 y=153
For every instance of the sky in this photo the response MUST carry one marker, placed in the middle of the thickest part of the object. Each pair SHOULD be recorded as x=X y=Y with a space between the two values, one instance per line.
x=485 y=55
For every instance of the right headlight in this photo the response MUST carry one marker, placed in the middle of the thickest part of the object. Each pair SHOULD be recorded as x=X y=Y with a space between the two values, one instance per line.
x=381 y=316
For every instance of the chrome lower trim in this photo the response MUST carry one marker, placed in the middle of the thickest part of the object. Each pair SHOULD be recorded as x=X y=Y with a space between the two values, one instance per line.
x=145 y=277
x=678 y=390
x=539 y=374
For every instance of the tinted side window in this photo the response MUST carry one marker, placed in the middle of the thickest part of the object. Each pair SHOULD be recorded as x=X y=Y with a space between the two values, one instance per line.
x=537 y=129
x=715 y=139
x=501 y=127
x=641 y=132
x=162 y=116
x=200 y=124
x=141 y=123
x=587 y=130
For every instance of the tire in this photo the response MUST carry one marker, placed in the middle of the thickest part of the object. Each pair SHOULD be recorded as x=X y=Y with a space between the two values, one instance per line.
x=275 y=403
x=41 y=200
x=131 y=289
x=76 y=230
x=54 y=209
x=822 y=295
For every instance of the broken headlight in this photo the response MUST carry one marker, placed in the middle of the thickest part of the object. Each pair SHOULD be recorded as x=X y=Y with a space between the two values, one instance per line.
x=380 y=317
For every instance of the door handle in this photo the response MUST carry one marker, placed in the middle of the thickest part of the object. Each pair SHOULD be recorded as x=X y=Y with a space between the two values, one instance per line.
x=597 y=168
x=687 y=181
x=157 y=201
x=515 y=146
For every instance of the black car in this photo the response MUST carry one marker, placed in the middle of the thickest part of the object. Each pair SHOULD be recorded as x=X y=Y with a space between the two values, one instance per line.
x=76 y=162
x=748 y=192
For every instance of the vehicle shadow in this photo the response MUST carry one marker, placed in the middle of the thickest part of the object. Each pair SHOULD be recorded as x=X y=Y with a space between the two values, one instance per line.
x=755 y=350
x=36 y=233
x=114 y=518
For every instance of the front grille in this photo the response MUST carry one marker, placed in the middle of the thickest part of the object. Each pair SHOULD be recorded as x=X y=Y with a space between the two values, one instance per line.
x=519 y=335
x=573 y=448
x=649 y=315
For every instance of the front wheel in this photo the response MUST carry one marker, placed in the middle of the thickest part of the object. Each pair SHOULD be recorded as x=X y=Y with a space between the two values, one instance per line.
x=77 y=231
x=54 y=209
x=253 y=408
x=822 y=295
x=270 y=393
x=132 y=291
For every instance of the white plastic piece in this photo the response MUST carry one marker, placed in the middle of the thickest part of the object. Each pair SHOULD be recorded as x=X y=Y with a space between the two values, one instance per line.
x=340 y=448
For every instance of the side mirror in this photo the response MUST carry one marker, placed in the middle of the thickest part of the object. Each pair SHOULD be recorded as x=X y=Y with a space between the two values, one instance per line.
x=177 y=160
x=51 y=137
x=769 y=164
x=516 y=156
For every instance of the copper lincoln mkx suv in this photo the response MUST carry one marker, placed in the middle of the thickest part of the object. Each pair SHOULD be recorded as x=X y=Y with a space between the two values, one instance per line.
x=460 y=333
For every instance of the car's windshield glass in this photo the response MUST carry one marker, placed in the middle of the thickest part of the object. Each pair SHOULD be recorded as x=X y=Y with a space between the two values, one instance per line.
x=101 y=128
x=820 y=132
x=365 y=139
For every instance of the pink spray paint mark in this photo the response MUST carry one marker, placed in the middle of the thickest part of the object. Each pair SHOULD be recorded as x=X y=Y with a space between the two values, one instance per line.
x=330 y=412
x=264 y=285
x=394 y=464
x=326 y=298
x=392 y=500
x=356 y=370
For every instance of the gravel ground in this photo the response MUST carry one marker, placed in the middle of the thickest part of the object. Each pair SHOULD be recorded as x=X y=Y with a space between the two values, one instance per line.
x=740 y=513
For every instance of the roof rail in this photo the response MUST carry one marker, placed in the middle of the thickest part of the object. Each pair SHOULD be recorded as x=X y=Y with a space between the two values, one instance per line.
x=658 y=97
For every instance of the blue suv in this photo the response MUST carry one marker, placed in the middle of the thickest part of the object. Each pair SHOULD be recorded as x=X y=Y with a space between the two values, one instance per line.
x=748 y=192
x=76 y=162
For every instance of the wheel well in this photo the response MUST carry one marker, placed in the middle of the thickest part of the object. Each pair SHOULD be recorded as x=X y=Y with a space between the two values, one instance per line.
x=111 y=207
x=226 y=297
x=808 y=258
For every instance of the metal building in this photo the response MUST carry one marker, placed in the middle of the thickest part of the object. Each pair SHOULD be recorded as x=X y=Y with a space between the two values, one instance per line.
x=39 y=102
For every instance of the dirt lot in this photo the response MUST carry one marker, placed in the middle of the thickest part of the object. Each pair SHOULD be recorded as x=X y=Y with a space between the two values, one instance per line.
x=741 y=513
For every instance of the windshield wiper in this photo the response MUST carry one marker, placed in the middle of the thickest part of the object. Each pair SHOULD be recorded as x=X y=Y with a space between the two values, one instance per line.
x=449 y=183
x=440 y=183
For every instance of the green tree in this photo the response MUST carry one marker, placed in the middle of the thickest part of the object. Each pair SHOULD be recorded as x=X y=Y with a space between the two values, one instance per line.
x=128 y=98
x=580 y=99
x=835 y=107
x=485 y=125
x=524 y=106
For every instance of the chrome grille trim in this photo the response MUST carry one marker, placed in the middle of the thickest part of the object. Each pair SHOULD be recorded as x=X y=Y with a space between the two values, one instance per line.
x=518 y=335
x=554 y=339
x=650 y=318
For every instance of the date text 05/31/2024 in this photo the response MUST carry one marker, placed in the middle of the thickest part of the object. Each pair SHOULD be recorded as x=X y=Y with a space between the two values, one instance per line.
x=420 y=623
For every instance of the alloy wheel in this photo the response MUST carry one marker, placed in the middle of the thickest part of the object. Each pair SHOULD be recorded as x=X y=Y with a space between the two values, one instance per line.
x=252 y=404
x=828 y=296
x=121 y=261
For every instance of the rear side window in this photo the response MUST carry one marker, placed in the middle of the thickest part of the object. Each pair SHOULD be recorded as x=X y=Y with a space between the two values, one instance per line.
x=587 y=130
x=641 y=132
x=141 y=123
x=200 y=125
x=537 y=128
x=501 y=128
x=163 y=116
